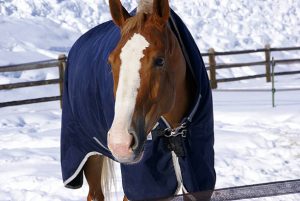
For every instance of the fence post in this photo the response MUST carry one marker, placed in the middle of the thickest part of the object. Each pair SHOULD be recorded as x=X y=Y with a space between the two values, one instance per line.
x=268 y=62
x=212 y=68
x=273 y=82
x=61 y=67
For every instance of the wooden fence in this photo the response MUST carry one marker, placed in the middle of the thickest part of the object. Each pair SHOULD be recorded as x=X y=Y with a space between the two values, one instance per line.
x=213 y=66
x=59 y=63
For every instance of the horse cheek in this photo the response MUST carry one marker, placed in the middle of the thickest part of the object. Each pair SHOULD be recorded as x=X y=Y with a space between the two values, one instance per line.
x=154 y=93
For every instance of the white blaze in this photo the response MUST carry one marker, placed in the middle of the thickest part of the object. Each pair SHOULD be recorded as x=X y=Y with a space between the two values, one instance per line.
x=129 y=81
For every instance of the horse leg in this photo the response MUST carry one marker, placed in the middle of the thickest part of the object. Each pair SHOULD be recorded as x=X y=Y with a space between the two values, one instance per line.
x=92 y=171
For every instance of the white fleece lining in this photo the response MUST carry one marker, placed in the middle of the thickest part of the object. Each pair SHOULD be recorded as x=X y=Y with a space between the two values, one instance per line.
x=178 y=174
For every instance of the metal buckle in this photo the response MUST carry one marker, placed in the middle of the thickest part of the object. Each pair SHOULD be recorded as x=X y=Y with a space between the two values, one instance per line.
x=181 y=130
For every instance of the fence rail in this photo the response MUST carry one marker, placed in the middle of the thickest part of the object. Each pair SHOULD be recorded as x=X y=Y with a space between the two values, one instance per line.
x=255 y=76
x=252 y=51
x=30 y=66
x=272 y=189
x=256 y=63
x=256 y=90
x=30 y=101
x=59 y=63
x=29 y=84
x=213 y=66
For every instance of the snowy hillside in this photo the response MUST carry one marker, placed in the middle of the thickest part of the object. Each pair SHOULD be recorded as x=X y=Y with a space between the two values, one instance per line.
x=254 y=143
x=222 y=24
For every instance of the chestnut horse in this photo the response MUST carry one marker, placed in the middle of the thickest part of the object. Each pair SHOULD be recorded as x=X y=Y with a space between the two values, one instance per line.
x=151 y=83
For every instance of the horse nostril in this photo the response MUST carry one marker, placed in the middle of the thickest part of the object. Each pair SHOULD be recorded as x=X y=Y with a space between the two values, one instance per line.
x=135 y=142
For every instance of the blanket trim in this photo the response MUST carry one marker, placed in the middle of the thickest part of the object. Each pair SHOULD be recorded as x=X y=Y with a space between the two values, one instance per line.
x=104 y=147
x=79 y=168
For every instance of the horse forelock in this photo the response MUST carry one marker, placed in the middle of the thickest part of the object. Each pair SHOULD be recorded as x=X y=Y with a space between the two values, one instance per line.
x=145 y=6
x=138 y=22
x=134 y=24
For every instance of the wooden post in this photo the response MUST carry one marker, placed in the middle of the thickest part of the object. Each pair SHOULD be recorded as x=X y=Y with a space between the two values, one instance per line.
x=212 y=68
x=273 y=82
x=61 y=67
x=268 y=62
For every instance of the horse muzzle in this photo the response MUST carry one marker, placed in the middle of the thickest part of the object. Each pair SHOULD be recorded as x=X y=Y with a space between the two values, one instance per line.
x=127 y=147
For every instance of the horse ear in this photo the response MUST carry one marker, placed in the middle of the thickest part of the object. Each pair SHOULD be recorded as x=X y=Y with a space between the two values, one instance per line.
x=118 y=12
x=161 y=9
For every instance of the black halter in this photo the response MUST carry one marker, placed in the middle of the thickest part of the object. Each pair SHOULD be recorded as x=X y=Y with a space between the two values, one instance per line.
x=174 y=137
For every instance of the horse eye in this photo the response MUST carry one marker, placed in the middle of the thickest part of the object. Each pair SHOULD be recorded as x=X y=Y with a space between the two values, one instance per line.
x=159 y=62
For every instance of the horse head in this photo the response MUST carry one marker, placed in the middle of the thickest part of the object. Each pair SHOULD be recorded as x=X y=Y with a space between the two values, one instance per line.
x=148 y=67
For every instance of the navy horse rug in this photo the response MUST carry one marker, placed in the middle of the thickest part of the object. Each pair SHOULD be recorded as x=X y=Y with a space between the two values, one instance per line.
x=88 y=112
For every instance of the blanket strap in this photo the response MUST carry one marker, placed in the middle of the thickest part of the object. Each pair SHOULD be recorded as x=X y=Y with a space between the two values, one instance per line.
x=173 y=137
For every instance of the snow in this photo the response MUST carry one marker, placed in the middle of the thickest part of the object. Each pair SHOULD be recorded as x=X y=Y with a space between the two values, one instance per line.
x=255 y=143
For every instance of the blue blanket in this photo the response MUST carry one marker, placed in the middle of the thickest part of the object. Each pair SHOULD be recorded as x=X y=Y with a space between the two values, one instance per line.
x=88 y=110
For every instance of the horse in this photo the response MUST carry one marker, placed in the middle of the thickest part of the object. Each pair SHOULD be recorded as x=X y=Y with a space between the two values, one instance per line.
x=136 y=91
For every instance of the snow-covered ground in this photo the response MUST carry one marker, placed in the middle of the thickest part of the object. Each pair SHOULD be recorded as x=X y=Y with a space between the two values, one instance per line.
x=255 y=143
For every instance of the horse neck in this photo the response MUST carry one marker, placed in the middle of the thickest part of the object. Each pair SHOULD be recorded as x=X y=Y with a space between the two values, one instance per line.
x=185 y=95
x=183 y=101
